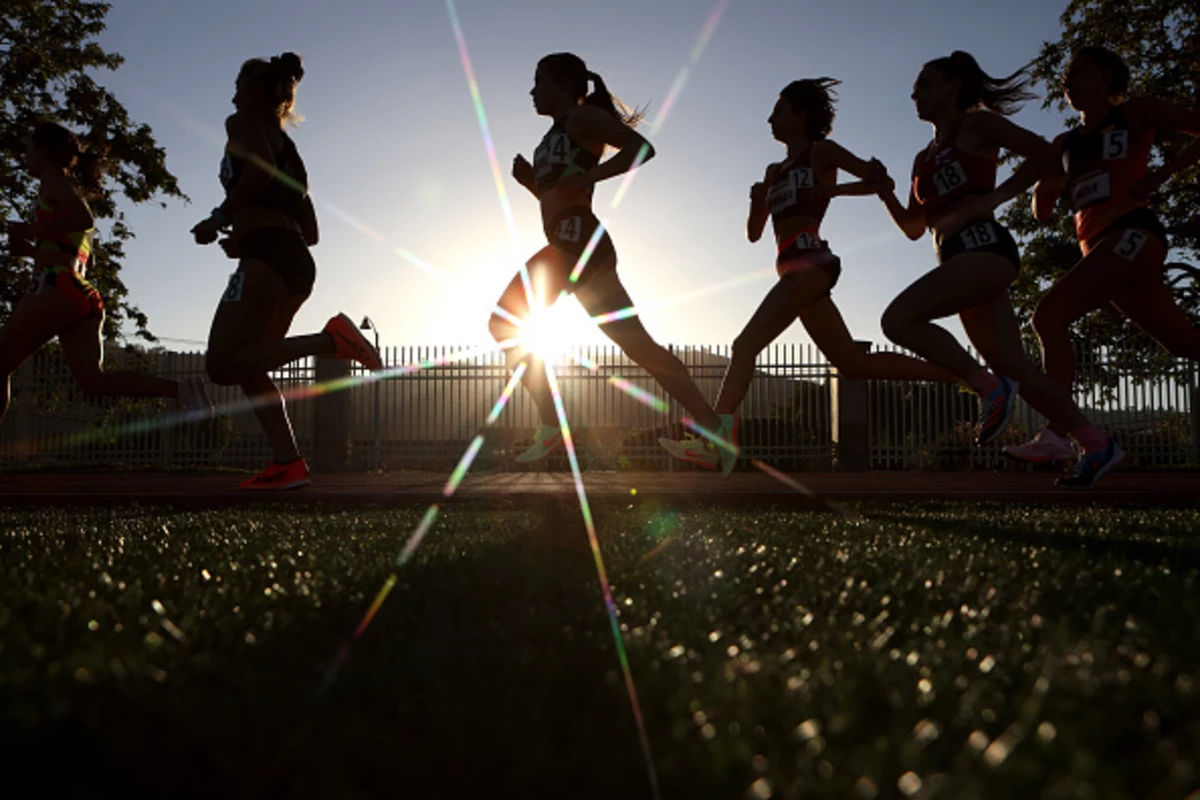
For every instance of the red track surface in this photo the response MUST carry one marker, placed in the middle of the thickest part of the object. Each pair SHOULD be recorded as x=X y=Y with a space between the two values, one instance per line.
x=743 y=488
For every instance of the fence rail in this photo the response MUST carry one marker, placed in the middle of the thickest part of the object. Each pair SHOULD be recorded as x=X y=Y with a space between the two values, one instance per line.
x=424 y=417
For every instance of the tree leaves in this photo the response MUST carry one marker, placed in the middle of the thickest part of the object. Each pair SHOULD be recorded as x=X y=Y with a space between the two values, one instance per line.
x=1159 y=41
x=48 y=60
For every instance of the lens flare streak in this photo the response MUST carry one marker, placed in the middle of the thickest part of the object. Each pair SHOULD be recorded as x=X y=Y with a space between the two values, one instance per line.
x=605 y=588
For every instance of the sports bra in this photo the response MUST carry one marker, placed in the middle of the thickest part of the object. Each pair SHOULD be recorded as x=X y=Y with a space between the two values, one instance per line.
x=73 y=243
x=796 y=192
x=289 y=184
x=1099 y=168
x=558 y=155
x=947 y=175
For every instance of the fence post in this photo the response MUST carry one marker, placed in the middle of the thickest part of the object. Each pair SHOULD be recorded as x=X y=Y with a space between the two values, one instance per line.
x=1194 y=414
x=331 y=417
x=848 y=412
x=24 y=385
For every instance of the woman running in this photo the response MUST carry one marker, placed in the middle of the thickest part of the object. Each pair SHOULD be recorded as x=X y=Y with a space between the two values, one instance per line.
x=273 y=223
x=1103 y=163
x=566 y=166
x=60 y=301
x=953 y=195
x=795 y=194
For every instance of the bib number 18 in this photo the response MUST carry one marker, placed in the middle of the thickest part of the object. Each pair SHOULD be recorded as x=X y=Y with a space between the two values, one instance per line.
x=980 y=235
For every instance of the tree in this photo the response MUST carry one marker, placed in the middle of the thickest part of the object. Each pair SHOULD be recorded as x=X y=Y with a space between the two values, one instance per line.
x=1159 y=39
x=48 y=55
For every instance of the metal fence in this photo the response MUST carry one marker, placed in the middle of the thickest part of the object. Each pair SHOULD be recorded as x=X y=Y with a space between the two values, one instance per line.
x=425 y=416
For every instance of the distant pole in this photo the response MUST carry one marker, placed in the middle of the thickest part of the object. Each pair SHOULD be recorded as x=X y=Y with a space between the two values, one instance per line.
x=377 y=455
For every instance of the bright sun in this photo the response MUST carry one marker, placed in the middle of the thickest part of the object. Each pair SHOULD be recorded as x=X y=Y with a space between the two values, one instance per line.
x=550 y=331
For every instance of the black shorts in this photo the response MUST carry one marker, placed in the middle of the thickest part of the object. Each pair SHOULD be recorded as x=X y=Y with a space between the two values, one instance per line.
x=572 y=232
x=979 y=237
x=285 y=251
x=806 y=251
x=1142 y=219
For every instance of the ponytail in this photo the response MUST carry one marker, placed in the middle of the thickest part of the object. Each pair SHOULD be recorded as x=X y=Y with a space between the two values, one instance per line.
x=570 y=68
x=1002 y=95
x=278 y=79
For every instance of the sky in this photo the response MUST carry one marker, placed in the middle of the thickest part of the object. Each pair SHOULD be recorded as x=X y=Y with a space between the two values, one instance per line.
x=398 y=165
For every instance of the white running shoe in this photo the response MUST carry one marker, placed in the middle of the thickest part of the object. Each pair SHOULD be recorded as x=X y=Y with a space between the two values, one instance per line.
x=194 y=399
x=1047 y=446
x=693 y=450
x=546 y=439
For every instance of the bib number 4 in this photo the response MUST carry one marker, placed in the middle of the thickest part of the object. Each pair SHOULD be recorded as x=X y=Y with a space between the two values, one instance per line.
x=569 y=230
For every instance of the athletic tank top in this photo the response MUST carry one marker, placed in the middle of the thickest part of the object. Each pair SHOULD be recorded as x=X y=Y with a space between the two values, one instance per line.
x=796 y=192
x=74 y=243
x=943 y=177
x=558 y=155
x=1099 y=168
x=289 y=184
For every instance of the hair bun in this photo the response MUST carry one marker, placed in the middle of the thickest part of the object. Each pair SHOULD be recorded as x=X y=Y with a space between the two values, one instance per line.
x=290 y=64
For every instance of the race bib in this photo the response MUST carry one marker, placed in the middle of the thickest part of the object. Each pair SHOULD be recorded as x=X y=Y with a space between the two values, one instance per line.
x=1115 y=145
x=225 y=173
x=949 y=177
x=37 y=283
x=979 y=235
x=784 y=193
x=569 y=229
x=233 y=292
x=1088 y=190
x=554 y=149
x=1131 y=244
x=807 y=241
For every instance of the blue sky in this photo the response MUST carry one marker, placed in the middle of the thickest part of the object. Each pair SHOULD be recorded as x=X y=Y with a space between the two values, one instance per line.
x=393 y=146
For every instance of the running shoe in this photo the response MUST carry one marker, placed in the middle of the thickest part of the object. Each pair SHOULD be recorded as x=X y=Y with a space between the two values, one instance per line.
x=693 y=450
x=194 y=399
x=1044 y=448
x=995 y=410
x=727 y=444
x=1092 y=466
x=546 y=439
x=350 y=344
x=278 y=477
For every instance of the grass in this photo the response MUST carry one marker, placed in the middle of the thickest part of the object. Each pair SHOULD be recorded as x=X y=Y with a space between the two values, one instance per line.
x=926 y=650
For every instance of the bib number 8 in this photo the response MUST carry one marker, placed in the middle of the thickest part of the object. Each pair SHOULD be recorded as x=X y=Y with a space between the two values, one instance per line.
x=233 y=292
x=949 y=177
x=977 y=236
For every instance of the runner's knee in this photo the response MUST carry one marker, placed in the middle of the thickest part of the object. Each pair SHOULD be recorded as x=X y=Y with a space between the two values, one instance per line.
x=895 y=324
x=220 y=370
x=747 y=346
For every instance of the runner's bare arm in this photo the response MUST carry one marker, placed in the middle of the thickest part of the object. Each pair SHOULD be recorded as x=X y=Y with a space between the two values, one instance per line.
x=592 y=124
x=909 y=219
x=756 y=220
x=1050 y=185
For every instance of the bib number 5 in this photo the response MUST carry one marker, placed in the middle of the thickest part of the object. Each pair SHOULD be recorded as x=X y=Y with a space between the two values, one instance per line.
x=1131 y=244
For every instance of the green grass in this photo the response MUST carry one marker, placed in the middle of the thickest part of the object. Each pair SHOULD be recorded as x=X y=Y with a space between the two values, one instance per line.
x=980 y=650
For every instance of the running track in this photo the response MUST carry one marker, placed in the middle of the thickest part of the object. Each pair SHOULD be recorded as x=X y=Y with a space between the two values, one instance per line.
x=743 y=488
